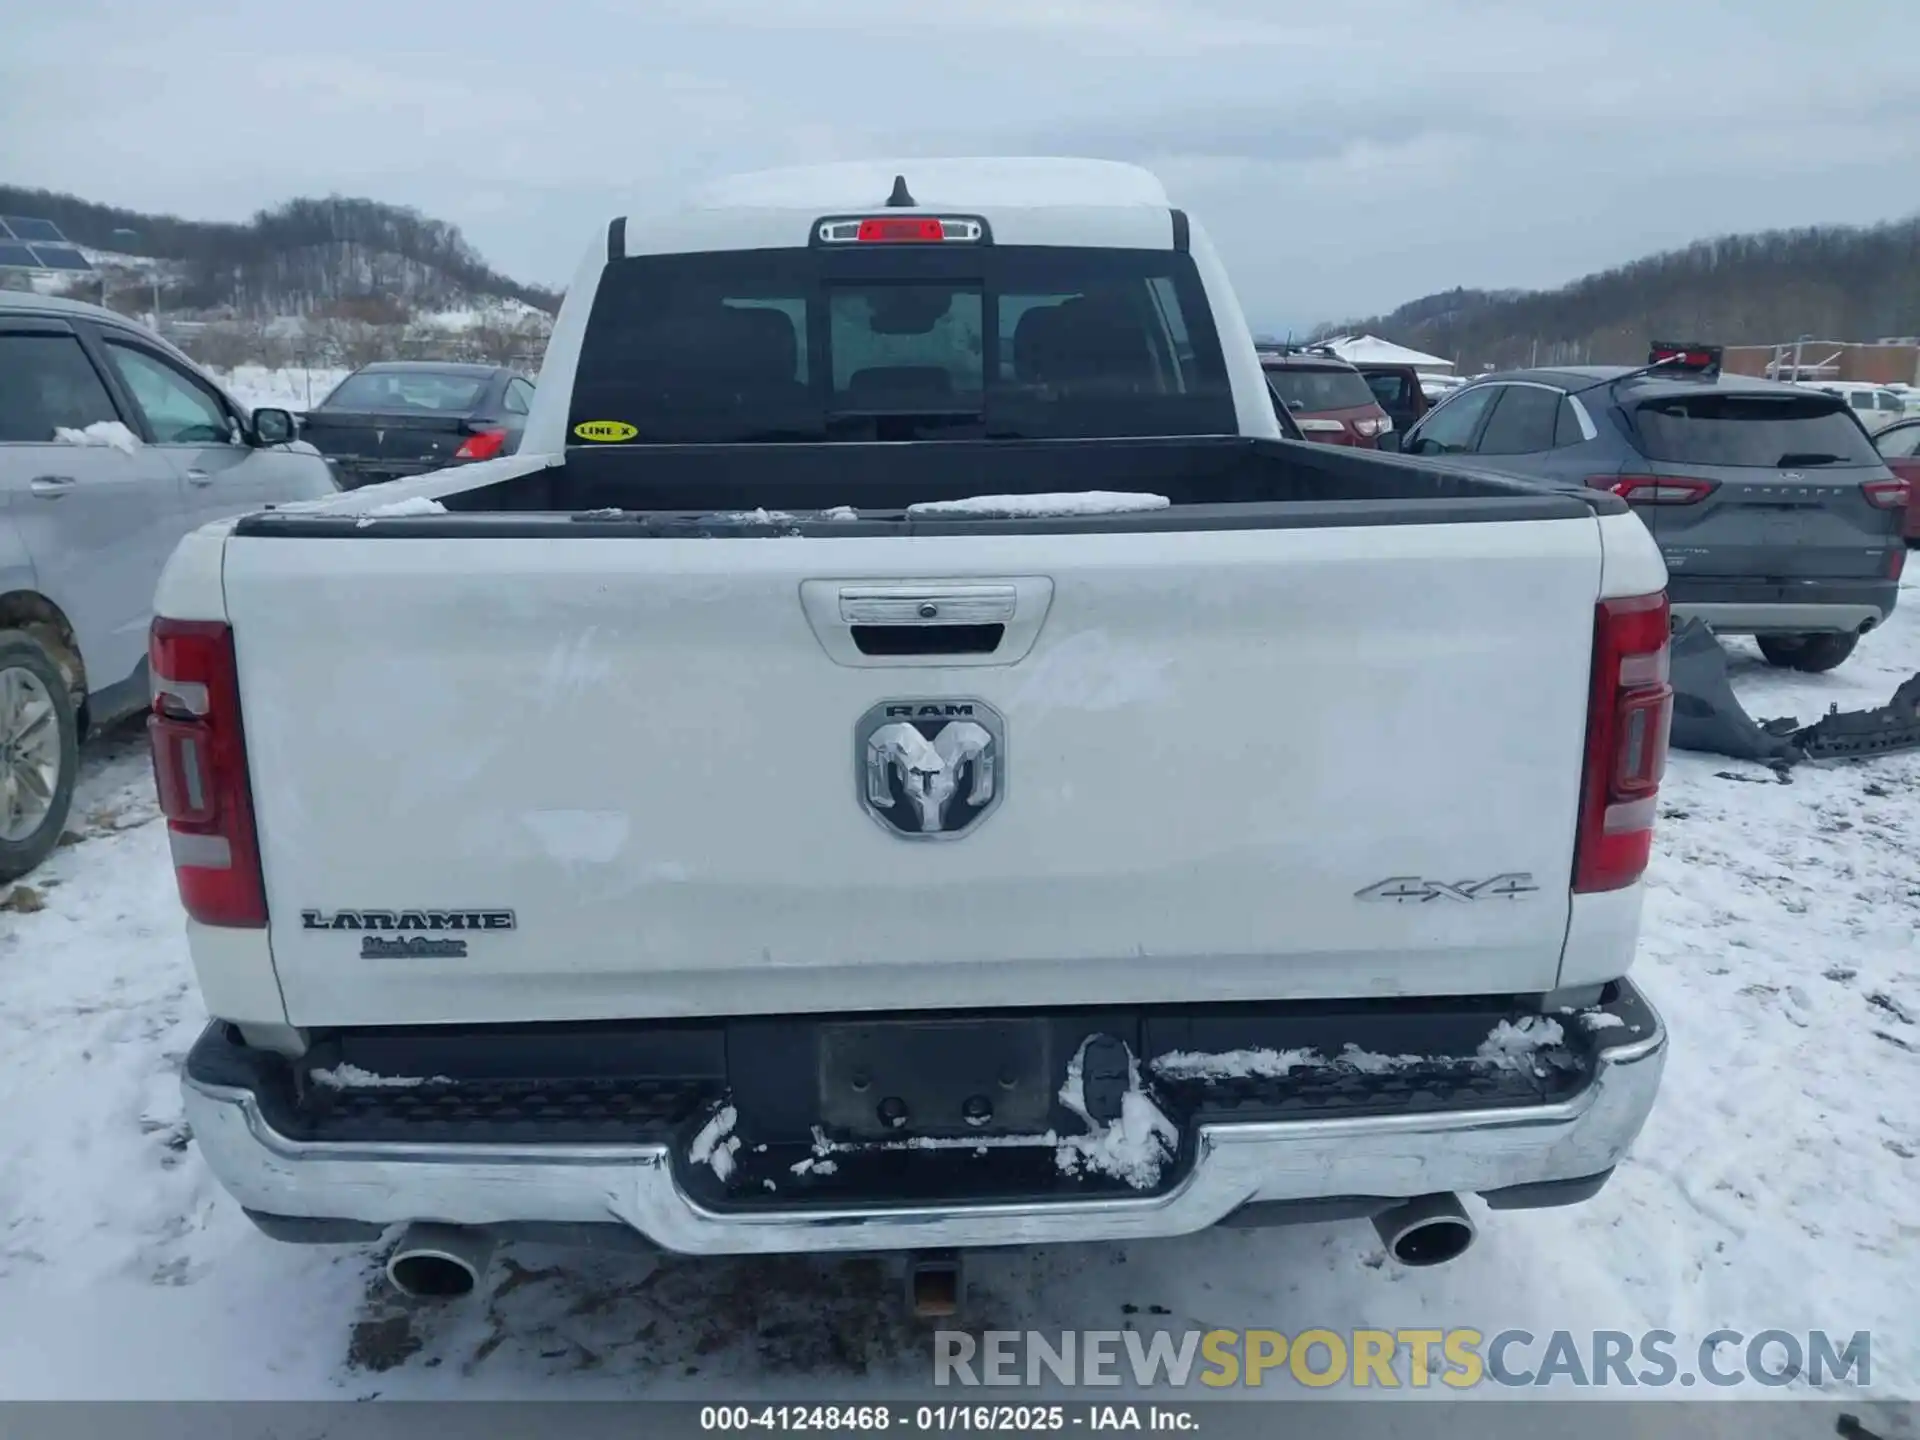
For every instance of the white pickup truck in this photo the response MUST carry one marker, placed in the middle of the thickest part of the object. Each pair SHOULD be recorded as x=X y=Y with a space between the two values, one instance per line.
x=906 y=758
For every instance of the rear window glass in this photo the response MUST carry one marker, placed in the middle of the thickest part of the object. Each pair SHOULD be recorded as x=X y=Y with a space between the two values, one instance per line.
x=1306 y=390
x=1387 y=388
x=1756 y=430
x=423 y=391
x=900 y=343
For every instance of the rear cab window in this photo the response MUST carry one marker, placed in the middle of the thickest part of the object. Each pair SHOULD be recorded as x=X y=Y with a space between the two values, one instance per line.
x=1757 y=430
x=899 y=343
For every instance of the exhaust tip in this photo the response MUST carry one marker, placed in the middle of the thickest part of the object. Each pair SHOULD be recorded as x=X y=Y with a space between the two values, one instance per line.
x=438 y=1262
x=1433 y=1243
x=1428 y=1231
x=423 y=1275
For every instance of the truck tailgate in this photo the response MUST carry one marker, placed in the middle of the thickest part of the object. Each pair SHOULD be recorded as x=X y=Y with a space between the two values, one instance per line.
x=542 y=779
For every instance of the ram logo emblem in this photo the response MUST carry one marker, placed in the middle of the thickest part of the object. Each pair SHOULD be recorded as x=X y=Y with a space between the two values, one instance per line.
x=930 y=769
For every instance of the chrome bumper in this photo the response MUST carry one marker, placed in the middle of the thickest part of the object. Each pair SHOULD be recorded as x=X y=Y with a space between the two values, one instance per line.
x=1235 y=1164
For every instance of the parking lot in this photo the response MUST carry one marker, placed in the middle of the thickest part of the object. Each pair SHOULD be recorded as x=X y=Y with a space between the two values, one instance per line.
x=1773 y=1188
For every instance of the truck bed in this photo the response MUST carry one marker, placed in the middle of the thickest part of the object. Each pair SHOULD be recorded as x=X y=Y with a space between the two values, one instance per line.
x=1211 y=482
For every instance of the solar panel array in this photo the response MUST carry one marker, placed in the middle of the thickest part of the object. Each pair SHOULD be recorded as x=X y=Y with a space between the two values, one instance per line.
x=29 y=244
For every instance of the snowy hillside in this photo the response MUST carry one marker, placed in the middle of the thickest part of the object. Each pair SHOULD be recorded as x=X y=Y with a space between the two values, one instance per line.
x=1775 y=1185
x=331 y=281
x=128 y=281
x=302 y=257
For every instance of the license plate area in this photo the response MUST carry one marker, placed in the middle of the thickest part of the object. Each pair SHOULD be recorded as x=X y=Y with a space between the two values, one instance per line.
x=942 y=1079
x=1786 y=527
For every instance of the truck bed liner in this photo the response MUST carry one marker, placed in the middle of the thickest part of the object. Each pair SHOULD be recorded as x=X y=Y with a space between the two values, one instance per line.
x=1212 y=482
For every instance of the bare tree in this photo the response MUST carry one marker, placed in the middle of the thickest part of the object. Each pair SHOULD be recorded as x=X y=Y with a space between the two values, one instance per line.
x=222 y=346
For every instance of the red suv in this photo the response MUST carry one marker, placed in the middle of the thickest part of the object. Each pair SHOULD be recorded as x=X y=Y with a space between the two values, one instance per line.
x=1329 y=399
x=1899 y=446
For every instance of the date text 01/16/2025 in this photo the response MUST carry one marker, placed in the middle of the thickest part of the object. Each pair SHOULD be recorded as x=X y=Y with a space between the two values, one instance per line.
x=946 y=1419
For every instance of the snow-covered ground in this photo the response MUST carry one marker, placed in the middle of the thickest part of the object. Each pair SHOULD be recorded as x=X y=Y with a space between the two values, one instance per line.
x=1777 y=1185
x=292 y=388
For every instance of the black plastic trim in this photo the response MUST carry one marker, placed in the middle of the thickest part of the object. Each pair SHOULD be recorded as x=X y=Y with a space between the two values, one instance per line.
x=30 y=322
x=1214 y=482
x=639 y=1081
x=928 y=639
x=1548 y=1194
x=1182 y=232
x=1304 y=515
x=617 y=238
x=115 y=702
x=309 y=1230
x=1685 y=589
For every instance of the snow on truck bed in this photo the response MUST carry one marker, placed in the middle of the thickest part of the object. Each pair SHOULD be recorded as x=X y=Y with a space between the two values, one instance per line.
x=1773 y=1187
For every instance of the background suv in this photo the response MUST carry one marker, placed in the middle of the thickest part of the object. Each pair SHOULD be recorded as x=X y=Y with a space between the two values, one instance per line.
x=1329 y=399
x=1777 y=516
x=113 y=445
x=1399 y=391
x=1899 y=446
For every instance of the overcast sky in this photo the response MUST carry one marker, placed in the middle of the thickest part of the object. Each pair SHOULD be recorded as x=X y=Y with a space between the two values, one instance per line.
x=1347 y=155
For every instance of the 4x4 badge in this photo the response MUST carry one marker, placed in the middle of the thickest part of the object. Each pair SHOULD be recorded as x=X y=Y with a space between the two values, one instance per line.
x=1510 y=886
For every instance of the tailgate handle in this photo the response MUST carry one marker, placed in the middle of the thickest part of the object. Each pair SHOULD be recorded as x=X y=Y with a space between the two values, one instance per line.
x=935 y=621
x=928 y=639
x=931 y=606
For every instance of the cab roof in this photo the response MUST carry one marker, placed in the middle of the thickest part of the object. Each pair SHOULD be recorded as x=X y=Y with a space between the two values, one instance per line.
x=1032 y=200
x=951 y=184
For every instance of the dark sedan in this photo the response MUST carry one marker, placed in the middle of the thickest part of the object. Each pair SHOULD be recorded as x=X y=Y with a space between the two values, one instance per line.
x=406 y=417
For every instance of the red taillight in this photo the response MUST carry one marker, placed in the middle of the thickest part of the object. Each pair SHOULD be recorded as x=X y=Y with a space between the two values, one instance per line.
x=1887 y=494
x=200 y=771
x=1629 y=712
x=483 y=446
x=1654 y=489
x=901 y=230
x=909 y=229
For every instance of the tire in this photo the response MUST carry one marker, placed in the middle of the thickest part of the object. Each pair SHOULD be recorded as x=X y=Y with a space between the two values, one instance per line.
x=1814 y=654
x=38 y=731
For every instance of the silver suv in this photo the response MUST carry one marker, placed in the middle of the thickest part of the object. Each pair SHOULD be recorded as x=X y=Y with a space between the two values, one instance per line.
x=113 y=445
x=1776 y=516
